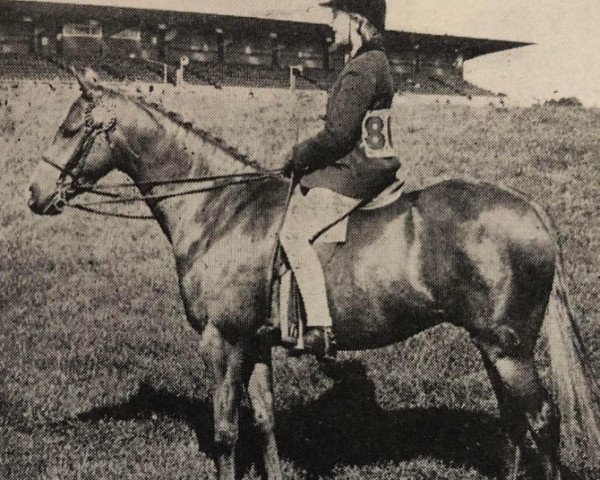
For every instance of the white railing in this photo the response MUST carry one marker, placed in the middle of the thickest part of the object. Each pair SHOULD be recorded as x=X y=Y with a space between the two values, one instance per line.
x=164 y=66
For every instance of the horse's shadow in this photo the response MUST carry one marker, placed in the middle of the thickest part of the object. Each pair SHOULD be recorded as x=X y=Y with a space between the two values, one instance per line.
x=345 y=426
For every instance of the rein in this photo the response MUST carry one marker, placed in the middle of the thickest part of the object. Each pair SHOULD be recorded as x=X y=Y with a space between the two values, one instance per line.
x=116 y=198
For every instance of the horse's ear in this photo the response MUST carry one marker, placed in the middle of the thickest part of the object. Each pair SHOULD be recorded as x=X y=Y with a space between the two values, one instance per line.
x=88 y=82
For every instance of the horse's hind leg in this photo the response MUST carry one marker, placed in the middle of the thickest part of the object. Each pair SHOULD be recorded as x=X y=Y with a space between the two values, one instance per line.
x=225 y=361
x=513 y=419
x=530 y=417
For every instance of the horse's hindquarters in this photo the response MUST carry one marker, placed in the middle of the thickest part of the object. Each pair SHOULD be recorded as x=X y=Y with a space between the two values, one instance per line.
x=475 y=255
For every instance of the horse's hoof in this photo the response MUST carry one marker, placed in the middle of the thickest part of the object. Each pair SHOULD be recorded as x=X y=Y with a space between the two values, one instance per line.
x=269 y=335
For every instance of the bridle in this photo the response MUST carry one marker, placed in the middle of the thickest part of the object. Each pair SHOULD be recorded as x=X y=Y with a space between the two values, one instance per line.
x=69 y=183
x=75 y=165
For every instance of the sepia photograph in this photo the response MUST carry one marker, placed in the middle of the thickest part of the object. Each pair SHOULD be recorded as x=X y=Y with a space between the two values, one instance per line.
x=301 y=240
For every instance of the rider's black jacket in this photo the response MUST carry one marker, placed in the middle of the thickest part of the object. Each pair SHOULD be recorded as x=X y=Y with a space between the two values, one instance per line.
x=334 y=157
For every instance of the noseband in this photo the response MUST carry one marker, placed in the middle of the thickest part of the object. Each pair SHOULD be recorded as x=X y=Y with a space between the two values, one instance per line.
x=75 y=165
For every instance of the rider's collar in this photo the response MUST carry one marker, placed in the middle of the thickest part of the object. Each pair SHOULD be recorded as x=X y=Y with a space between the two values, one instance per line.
x=375 y=43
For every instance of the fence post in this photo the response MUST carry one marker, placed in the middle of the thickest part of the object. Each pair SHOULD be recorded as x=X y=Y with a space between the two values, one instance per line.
x=295 y=72
x=184 y=61
x=292 y=79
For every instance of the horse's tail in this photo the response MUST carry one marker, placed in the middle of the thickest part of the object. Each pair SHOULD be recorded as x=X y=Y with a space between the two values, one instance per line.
x=575 y=388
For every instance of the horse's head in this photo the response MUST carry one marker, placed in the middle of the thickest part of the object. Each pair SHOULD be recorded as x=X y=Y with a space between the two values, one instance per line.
x=67 y=167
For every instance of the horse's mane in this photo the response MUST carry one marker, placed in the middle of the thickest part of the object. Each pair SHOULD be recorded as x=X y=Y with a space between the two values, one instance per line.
x=188 y=126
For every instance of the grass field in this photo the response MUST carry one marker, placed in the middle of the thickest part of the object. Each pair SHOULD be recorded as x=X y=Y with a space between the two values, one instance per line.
x=101 y=377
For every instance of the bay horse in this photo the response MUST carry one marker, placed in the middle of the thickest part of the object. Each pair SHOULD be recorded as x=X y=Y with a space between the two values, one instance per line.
x=482 y=257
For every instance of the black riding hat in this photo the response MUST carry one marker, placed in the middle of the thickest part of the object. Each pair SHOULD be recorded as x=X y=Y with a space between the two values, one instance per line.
x=372 y=10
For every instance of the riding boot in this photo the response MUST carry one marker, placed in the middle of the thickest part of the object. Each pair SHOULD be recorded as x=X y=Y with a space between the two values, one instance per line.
x=320 y=341
x=303 y=259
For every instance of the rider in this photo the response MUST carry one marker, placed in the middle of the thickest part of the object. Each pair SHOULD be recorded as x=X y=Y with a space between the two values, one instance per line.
x=347 y=162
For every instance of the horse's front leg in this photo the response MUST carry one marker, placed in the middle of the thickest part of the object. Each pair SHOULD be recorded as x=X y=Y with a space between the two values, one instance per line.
x=260 y=391
x=225 y=360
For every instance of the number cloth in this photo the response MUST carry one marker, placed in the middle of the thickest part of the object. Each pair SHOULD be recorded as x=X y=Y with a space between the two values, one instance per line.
x=377 y=134
x=336 y=158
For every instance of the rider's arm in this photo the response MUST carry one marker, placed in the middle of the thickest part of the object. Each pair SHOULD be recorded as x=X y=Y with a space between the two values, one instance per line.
x=345 y=113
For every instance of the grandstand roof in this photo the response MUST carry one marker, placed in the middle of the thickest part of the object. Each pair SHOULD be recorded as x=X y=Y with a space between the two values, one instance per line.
x=176 y=15
x=208 y=15
x=471 y=47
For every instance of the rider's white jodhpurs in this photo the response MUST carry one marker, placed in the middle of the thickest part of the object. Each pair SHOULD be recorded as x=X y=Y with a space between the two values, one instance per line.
x=306 y=217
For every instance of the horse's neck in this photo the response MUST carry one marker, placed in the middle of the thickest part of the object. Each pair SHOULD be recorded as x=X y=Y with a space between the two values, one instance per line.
x=165 y=150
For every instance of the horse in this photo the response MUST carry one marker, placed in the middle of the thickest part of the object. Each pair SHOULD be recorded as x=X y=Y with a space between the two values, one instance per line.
x=482 y=257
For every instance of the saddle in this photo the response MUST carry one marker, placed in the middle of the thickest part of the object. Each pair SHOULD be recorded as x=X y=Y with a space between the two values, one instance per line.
x=287 y=310
x=337 y=232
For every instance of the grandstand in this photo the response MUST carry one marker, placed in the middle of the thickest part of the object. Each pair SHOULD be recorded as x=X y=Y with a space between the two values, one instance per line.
x=144 y=45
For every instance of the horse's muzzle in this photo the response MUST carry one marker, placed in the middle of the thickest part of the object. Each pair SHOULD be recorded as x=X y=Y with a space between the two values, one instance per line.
x=43 y=190
x=43 y=206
